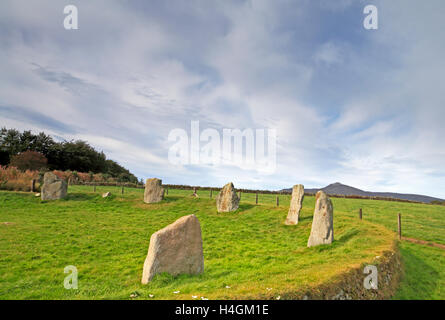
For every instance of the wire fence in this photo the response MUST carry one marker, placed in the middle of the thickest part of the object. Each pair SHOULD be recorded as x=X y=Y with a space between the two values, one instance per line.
x=212 y=190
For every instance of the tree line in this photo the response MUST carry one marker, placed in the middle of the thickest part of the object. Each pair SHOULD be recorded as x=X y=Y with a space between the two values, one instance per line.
x=66 y=155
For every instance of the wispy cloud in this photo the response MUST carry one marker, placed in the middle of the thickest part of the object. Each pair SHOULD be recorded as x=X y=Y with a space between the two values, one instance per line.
x=351 y=105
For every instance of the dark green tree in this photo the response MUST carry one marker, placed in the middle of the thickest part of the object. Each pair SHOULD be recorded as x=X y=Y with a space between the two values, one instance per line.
x=67 y=155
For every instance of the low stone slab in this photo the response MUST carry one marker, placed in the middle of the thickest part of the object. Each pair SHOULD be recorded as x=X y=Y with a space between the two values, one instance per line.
x=176 y=249
x=296 y=204
x=322 y=231
x=153 y=191
x=227 y=200
x=53 y=187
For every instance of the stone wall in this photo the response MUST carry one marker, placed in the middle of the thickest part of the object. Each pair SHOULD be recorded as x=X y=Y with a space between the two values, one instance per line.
x=349 y=286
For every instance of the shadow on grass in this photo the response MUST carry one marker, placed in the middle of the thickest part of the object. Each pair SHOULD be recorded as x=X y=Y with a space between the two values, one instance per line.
x=164 y=279
x=345 y=237
x=170 y=199
x=22 y=194
x=338 y=242
x=245 y=206
x=242 y=209
x=304 y=218
x=80 y=197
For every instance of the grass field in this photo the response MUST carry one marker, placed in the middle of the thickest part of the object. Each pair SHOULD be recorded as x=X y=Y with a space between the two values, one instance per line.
x=248 y=254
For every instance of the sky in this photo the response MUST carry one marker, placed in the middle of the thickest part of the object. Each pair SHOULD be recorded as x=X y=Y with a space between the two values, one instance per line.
x=362 y=107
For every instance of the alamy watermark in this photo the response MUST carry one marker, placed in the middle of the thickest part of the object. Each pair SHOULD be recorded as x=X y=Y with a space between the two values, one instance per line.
x=71 y=21
x=371 y=21
x=245 y=148
x=371 y=280
x=71 y=280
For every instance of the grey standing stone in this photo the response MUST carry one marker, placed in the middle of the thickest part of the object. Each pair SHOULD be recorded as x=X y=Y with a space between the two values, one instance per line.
x=53 y=187
x=153 y=191
x=176 y=249
x=296 y=204
x=227 y=200
x=322 y=231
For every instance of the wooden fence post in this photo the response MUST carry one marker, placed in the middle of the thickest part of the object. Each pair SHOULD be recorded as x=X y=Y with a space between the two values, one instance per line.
x=256 y=198
x=122 y=190
x=360 y=214
x=278 y=201
x=399 y=218
x=166 y=189
x=33 y=185
x=211 y=191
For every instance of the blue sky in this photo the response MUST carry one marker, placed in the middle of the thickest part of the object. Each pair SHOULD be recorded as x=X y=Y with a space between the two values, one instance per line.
x=362 y=107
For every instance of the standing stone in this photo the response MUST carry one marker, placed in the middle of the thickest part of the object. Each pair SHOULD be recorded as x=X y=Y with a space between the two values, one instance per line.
x=296 y=204
x=322 y=231
x=53 y=187
x=153 y=191
x=227 y=200
x=176 y=249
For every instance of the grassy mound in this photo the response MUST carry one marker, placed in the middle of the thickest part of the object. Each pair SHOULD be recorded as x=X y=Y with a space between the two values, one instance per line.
x=248 y=254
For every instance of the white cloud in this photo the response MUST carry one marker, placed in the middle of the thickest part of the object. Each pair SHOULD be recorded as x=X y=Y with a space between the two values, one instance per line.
x=329 y=53
x=348 y=105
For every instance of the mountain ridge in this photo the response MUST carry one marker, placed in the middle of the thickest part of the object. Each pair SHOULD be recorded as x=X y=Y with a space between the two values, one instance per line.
x=342 y=189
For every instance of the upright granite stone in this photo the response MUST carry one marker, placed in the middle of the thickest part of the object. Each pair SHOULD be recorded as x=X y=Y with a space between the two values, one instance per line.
x=322 y=231
x=227 y=200
x=153 y=191
x=53 y=187
x=296 y=204
x=176 y=249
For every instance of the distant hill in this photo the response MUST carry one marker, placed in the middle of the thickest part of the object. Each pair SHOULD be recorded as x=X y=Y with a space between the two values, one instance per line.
x=341 y=189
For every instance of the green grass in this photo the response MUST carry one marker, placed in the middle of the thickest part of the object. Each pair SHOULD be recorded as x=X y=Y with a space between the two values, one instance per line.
x=422 y=221
x=249 y=250
x=424 y=276
x=424 y=272
x=107 y=240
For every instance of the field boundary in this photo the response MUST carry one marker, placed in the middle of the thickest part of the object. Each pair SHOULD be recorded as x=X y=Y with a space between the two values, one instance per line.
x=424 y=242
x=349 y=286
x=33 y=186
x=186 y=187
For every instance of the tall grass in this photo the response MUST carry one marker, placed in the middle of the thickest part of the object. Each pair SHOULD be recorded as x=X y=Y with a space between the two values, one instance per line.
x=13 y=179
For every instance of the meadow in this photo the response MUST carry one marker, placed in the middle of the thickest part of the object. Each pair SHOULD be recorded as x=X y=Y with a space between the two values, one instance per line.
x=249 y=253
